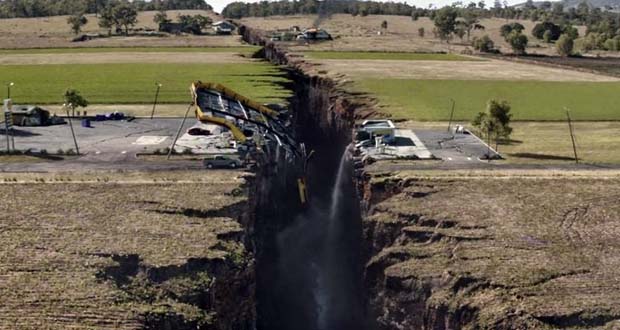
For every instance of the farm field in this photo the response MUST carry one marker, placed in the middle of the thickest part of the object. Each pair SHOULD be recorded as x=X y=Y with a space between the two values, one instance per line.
x=545 y=246
x=134 y=83
x=337 y=55
x=530 y=100
x=244 y=50
x=136 y=247
x=53 y=32
x=361 y=33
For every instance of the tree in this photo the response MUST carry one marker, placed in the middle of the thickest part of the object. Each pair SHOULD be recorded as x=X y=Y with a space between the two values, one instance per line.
x=384 y=25
x=161 y=18
x=73 y=99
x=494 y=123
x=76 y=22
x=107 y=20
x=547 y=36
x=518 y=42
x=540 y=29
x=506 y=29
x=571 y=31
x=126 y=15
x=564 y=45
x=468 y=21
x=202 y=21
x=484 y=44
x=460 y=30
x=445 y=21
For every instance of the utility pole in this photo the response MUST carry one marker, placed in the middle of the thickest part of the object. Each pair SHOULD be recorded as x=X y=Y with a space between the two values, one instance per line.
x=77 y=149
x=451 y=114
x=178 y=133
x=572 y=135
x=489 y=144
x=156 y=96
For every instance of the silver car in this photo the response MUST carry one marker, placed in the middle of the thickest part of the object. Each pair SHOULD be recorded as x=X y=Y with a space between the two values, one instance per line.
x=221 y=161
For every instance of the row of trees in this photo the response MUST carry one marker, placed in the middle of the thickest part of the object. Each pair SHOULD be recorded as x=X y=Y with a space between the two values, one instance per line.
x=41 y=8
x=121 y=16
x=188 y=23
x=118 y=15
x=311 y=7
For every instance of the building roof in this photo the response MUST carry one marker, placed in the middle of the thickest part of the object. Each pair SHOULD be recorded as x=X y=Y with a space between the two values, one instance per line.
x=25 y=109
x=218 y=23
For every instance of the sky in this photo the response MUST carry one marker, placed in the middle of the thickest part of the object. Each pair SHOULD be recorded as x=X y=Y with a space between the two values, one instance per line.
x=218 y=5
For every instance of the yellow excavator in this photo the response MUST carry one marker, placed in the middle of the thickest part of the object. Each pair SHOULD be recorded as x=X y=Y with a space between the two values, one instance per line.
x=256 y=127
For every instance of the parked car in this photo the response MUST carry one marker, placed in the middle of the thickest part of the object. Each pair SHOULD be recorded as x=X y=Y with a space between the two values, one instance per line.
x=220 y=161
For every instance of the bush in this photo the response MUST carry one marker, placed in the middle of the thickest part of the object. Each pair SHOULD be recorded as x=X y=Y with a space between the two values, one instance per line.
x=547 y=36
x=70 y=152
x=564 y=45
x=506 y=29
x=518 y=42
x=540 y=29
x=43 y=152
x=421 y=32
x=60 y=152
x=612 y=44
x=187 y=151
x=484 y=44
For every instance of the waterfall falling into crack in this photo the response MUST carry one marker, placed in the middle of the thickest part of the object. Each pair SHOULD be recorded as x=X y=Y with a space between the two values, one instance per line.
x=327 y=281
x=319 y=269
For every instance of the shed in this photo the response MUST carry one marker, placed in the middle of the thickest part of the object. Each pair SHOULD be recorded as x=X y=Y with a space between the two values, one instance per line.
x=30 y=115
x=223 y=27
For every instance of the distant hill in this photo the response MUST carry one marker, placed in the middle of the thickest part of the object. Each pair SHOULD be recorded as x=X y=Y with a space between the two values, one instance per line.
x=614 y=4
x=593 y=3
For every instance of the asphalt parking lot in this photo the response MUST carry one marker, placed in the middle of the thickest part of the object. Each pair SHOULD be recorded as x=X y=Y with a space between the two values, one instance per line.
x=453 y=148
x=107 y=140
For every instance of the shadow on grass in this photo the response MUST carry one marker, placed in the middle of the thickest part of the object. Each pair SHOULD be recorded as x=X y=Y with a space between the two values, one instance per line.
x=509 y=142
x=540 y=156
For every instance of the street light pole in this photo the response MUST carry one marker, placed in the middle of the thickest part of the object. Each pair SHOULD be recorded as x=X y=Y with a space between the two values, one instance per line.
x=8 y=89
x=156 y=96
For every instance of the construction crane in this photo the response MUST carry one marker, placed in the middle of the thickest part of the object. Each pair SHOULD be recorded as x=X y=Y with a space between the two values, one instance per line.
x=260 y=131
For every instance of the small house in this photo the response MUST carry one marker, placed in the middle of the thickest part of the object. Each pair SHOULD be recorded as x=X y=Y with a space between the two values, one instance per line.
x=30 y=115
x=314 y=34
x=223 y=27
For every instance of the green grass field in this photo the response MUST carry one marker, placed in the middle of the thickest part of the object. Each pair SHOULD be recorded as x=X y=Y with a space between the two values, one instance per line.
x=530 y=100
x=135 y=83
x=332 y=55
x=241 y=50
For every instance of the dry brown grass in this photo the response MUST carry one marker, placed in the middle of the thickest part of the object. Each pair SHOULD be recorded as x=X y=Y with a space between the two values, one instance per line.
x=59 y=237
x=454 y=70
x=54 y=32
x=543 y=248
x=360 y=33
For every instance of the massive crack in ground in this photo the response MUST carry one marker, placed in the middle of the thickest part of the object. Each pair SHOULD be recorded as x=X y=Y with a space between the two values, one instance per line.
x=309 y=266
